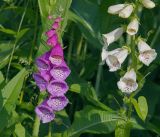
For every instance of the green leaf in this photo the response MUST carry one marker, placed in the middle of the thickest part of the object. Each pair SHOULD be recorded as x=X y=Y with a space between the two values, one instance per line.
x=8 y=97
x=92 y=120
x=123 y=129
x=8 y=31
x=1 y=77
x=20 y=131
x=141 y=107
x=88 y=92
x=21 y=33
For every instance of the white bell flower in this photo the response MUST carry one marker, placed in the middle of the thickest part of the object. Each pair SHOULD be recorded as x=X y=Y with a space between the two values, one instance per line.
x=126 y=11
x=148 y=4
x=113 y=36
x=127 y=83
x=147 y=55
x=115 y=58
x=133 y=27
x=115 y=9
x=104 y=54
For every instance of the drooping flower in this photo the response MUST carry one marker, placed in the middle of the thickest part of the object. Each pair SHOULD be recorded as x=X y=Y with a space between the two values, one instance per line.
x=126 y=11
x=50 y=33
x=40 y=81
x=115 y=58
x=55 y=25
x=113 y=36
x=57 y=88
x=127 y=83
x=56 y=56
x=115 y=9
x=53 y=40
x=57 y=103
x=60 y=72
x=58 y=19
x=45 y=113
x=148 y=4
x=133 y=27
x=147 y=55
x=43 y=62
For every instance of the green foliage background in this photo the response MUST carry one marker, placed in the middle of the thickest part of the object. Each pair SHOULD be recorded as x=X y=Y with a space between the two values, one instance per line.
x=94 y=109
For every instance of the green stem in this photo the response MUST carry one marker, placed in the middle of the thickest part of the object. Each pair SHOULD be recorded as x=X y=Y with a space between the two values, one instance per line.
x=98 y=79
x=15 y=43
x=50 y=130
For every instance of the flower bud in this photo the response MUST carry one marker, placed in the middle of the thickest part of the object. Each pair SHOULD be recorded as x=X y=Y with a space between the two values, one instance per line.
x=113 y=36
x=148 y=4
x=126 y=11
x=133 y=27
x=115 y=9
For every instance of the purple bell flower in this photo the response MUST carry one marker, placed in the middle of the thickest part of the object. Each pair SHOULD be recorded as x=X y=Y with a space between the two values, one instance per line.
x=40 y=81
x=44 y=112
x=43 y=62
x=52 y=41
x=57 y=88
x=56 y=56
x=55 y=25
x=50 y=33
x=60 y=72
x=57 y=103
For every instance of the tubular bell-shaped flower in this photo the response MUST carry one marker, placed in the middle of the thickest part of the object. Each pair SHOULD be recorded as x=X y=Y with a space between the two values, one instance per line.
x=50 y=33
x=104 y=54
x=57 y=103
x=43 y=62
x=57 y=88
x=147 y=55
x=56 y=56
x=148 y=4
x=115 y=58
x=44 y=112
x=133 y=27
x=127 y=83
x=126 y=11
x=60 y=72
x=40 y=81
x=115 y=9
x=113 y=36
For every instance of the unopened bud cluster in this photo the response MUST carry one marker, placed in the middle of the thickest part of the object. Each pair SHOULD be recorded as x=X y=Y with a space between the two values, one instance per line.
x=115 y=58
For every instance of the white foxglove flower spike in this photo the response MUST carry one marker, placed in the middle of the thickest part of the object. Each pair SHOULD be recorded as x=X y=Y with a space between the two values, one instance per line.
x=115 y=58
x=127 y=83
x=147 y=55
x=115 y=9
x=126 y=11
x=113 y=36
x=133 y=27
x=148 y=4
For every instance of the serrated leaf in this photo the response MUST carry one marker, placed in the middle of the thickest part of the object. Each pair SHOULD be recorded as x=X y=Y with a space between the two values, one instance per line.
x=92 y=120
x=8 y=97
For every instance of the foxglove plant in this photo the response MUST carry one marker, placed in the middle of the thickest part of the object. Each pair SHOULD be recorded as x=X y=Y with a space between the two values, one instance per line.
x=51 y=75
x=129 y=84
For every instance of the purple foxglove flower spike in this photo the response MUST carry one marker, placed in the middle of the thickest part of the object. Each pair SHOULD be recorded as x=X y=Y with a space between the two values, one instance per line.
x=57 y=88
x=57 y=103
x=56 y=56
x=52 y=41
x=60 y=72
x=40 y=81
x=43 y=62
x=44 y=112
x=50 y=33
